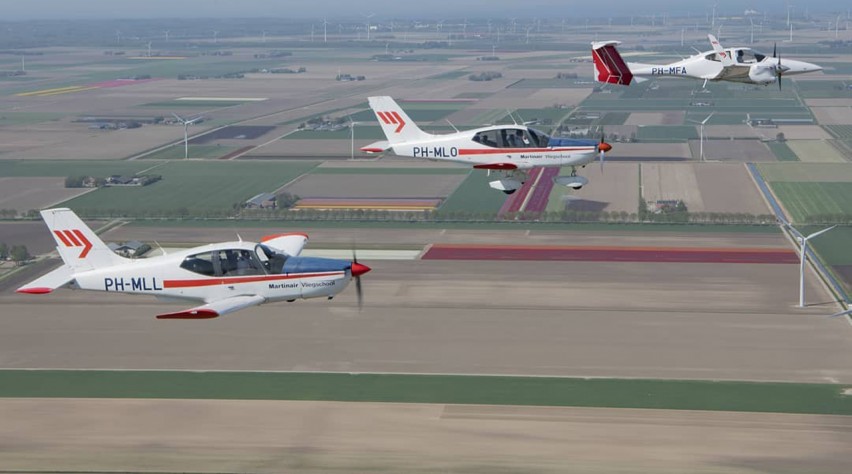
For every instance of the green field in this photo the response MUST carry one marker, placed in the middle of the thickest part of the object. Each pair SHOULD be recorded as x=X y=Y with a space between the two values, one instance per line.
x=843 y=132
x=833 y=246
x=806 y=172
x=810 y=89
x=474 y=95
x=27 y=118
x=403 y=388
x=46 y=168
x=474 y=195
x=550 y=115
x=548 y=84
x=192 y=187
x=804 y=200
x=782 y=151
x=666 y=133
x=613 y=118
x=362 y=132
x=449 y=75
x=176 y=152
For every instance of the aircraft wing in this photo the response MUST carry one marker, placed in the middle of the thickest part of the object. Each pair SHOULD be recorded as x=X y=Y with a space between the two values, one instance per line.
x=733 y=72
x=49 y=282
x=216 y=308
x=376 y=147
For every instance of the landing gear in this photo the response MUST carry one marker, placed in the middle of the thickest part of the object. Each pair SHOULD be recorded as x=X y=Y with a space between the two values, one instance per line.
x=510 y=191
x=573 y=181
x=510 y=182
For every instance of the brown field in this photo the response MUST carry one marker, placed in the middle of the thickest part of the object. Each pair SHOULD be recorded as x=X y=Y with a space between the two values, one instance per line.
x=704 y=187
x=374 y=186
x=803 y=132
x=655 y=118
x=649 y=150
x=24 y=194
x=733 y=150
x=815 y=151
x=833 y=115
x=304 y=436
x=616 y=189
x=728 y=131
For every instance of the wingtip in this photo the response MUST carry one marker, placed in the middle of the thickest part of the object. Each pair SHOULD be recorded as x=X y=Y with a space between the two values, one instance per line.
x=190 y=314
x=34 y=291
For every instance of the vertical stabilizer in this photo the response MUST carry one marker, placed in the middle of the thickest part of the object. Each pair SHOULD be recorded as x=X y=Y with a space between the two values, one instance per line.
x=396 y=124
x=609 y=65
x=80 y=248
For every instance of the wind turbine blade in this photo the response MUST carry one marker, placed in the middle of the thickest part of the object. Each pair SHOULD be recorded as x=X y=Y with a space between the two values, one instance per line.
x=181 y=120
x=842 y=313
x=708 y=118
x=817 y=234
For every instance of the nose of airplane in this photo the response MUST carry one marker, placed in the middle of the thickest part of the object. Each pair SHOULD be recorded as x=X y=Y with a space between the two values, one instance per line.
x=359 y=269
x=800 y=67
x=604 y=147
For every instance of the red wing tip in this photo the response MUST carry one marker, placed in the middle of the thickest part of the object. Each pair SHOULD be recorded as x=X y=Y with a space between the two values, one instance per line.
x=267 y=238
x=191 y=314
x=34 y=291
x=367 y=149
x=497 y=166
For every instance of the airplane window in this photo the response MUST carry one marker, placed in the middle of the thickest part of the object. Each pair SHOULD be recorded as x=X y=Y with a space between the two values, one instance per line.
x=539 y=138
x=759 y=57
x=239 y=263
x=201 y=263
x=712 y=57
x=516 y=138
x=487 y=138
x=273 y=261
x=746 y=56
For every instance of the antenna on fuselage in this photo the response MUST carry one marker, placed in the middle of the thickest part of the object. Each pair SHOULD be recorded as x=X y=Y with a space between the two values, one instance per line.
x=162 y=250
x=239 y=238
x=451 y=124
x=511 y=116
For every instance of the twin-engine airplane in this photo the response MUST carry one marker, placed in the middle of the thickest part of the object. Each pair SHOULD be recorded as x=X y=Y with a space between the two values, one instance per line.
x=508 y=149
x=733 y=64
x=226 y=277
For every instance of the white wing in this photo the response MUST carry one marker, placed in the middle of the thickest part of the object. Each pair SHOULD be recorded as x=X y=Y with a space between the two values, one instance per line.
x=49 y=282
x=216 y=308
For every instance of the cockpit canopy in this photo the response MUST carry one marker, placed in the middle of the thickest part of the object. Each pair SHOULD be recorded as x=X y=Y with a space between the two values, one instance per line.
x=739 y=55
x=520 y=137
x=236 y=262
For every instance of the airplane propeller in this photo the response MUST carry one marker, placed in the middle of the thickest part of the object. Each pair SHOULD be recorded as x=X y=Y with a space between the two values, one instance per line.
x=357 y=270
x=603 y=147
x=778 y=68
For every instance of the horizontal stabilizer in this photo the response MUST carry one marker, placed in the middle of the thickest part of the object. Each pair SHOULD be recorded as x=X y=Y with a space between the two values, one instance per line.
x=216 y=308
x=376 y=147
x=49 y=282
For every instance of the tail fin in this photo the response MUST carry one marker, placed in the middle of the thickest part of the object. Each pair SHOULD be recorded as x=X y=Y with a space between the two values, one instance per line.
x=396 y=124
x=724 y=57
x=609 y=65
x=79 y=247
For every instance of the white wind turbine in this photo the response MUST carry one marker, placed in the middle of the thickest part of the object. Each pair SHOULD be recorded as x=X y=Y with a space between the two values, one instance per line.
x=367 y=17
x=324 y=30
x=701 y=135
x=186 y=124
x=803 y=255
x=352 y=137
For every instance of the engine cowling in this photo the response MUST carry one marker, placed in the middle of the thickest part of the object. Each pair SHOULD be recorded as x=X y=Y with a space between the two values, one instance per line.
x=761 y=74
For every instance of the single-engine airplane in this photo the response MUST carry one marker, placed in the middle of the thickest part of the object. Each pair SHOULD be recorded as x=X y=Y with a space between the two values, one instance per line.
x=225 y=277
x=508 y=149
x=721 y=64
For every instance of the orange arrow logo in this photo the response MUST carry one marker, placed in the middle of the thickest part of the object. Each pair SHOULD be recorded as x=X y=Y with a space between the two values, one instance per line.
x=392 y=118
x=74 y=238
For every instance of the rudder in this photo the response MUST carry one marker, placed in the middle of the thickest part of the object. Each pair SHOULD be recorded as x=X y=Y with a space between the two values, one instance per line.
x=79 y=246
x=396 y=124
x=609 y=64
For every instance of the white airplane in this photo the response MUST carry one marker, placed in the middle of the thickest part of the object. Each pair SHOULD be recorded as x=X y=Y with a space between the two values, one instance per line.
x=508 y=149
x=733 y=64
x=225 y=277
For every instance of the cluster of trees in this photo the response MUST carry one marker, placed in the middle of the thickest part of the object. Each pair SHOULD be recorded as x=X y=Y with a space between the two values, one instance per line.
x=845 y=219
x=485 y=76
x=80 y=181
x=18 y=253
x=8 y=213
x=285 y=200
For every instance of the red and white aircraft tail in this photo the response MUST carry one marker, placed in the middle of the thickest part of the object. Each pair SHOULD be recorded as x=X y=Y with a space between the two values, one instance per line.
x=397 y=125
x=609 y=65
x=80 y=248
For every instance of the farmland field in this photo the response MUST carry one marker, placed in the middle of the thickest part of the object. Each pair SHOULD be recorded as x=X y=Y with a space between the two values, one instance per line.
x=803 y=200
x=667 y=133
x=176 y=152
x=782 y=151
x=840 y=131
x=39 y=168
x=811 y=172
x=474 y=195
x=817 y=151
x=195 y=186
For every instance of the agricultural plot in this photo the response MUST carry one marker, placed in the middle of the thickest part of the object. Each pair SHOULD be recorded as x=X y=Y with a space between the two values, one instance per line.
x=176 y=152
x=613 y=118
x=45 y=168
x=655 y=118
x=615 y=189
x=810 y=89
x=809 y=200
x=733 y=150
x=192 y=187
x=803 y=132
x=782 y=151
x=811 y=172
x=474 y=195
x=24 y=194
x=234 y=132
x=662 y=133
x=375 y=186
x=833 y=117
x=843 y=132
x=815 y=151
x=27 y=118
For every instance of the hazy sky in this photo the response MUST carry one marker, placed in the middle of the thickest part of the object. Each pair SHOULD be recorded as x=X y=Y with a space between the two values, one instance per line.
x=558 y=9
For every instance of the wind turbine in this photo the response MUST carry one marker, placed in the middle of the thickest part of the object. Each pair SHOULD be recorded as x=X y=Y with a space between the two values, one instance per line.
x=352 y=137
x=803 y=255
x=149 y=49
x=371 y=15
x=118 y=37
x=324 y=30
x=186 y=124
x=166 y=33
x=215 y=36
x=701 y=135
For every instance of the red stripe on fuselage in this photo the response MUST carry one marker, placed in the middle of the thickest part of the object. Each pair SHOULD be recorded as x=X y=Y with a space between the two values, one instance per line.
x=213 y=281
x=497 y=151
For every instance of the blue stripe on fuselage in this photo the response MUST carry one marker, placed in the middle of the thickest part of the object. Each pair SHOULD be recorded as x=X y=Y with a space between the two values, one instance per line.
x=314 y=265
x=558 y=142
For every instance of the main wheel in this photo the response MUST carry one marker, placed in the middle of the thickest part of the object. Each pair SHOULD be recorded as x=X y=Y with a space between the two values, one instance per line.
x=510 y=191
